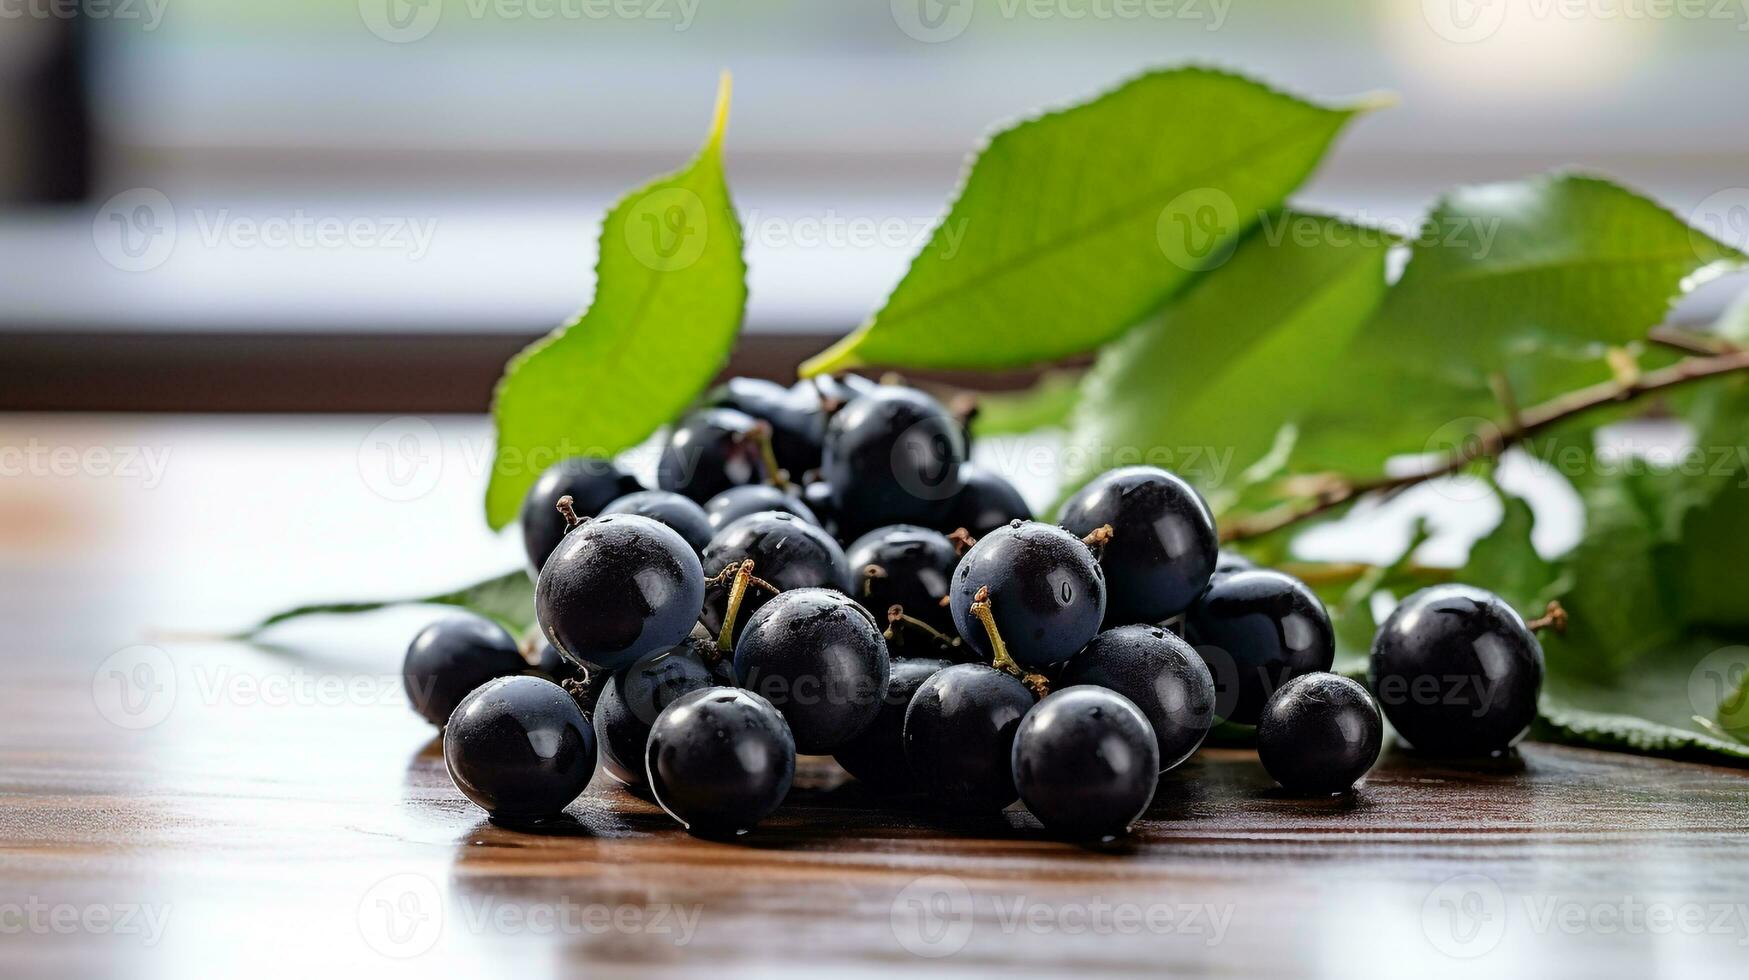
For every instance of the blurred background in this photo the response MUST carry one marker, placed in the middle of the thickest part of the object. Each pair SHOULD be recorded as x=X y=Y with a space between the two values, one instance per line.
x=234 y=203
x=366 y=206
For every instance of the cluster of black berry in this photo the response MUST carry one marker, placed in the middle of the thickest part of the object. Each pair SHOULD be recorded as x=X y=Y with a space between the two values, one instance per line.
x=899 y=609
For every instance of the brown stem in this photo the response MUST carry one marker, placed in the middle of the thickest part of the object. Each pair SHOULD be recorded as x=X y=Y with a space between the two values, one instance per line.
x=1493 y=442
x=869 y=574
x=1099 y=537
x=896 y=617
x=737 y=593
x=964 y=408
x=568 y=510
x=962 y=541
x=1555 y=618
x=579 y=690
x=1687 y=342
x=999 y=657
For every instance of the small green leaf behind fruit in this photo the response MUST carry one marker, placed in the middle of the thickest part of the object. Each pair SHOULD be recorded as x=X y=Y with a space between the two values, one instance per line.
x=1073 y=226
x=670 y=293
x=507 y=598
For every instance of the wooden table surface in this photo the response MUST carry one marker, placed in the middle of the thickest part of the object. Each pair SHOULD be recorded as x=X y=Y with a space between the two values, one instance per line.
x=178 y=807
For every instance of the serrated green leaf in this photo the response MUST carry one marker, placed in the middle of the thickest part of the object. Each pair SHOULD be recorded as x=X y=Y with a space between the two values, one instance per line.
x=1557 y=722
x=1073 y=226
x=1713 y=515
x=1204 y=388
x=1530 y=281
x=1507 y=562
x=669 y=297
x=508 y=598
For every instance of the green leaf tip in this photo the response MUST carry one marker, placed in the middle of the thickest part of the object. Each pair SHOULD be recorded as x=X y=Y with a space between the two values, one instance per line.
x=1071 y=226
x=670 y=294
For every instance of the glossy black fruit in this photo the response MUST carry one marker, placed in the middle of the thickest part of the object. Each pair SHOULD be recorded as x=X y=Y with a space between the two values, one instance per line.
x=1046 y=590
x=798 y=424
x=1319 y=734
x=737 y=502
x=839 y=389
x=709 y=452
x=985 y=502
x=1228 y=562
x=1456 y=671
x=683 y=514
x=904 y=565
x=451 y=657
x=520 y=748
x=618 y=588
x=720 y=760
x=591 y=484
x=892 y=456
x=876 y=755
x=1085 y=763
x=787 y=551
x=959 y=732
x=818 y=657
x=632 y=699
x=1163 y=546
x=1256 y=631
x=1161 y=674
x=818 y=497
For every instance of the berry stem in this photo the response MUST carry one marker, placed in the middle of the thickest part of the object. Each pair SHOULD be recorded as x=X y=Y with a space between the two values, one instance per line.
x=871 y=572
x=1000 y=658
x=568 y=510
x=829 y=405
x=1554 y=618
x=579 y=690
x=1493 y=441
x=962 y=541
x=739 y=577
x=779 y=477
x=1099 y=537
x=896 y=617
x=964 y=409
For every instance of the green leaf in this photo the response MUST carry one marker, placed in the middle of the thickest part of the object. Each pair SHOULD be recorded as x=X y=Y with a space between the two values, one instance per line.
x=1204 y=388
x=1046 y=404
x=1505 y=560
x=669 y=297
x=508 y=598
x=1531 y=281
x=1713 y=516
x=1073 y=226
x=1627 y=733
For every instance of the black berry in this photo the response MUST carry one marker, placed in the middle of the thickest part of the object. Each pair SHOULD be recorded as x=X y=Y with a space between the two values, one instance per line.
x=959 y=732
x=520 y=748
x=985 y=502
x=786 y=552
x=876 y=755
x=892 y=456
x=818 y=657
x=451 y=657
x=737 y=502
x=1256 y=631
x=591 y=484
x=798 y=423
x=1319 y=734
x=619 y=588
x=632 y=699
x=906 y=566
x=1085 y=763
x=682 y=514
x=1163 y=546
x=1457 y=671
x=1045 y=589
x=720 y=760
x=709 y=452
x=1158 y=672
